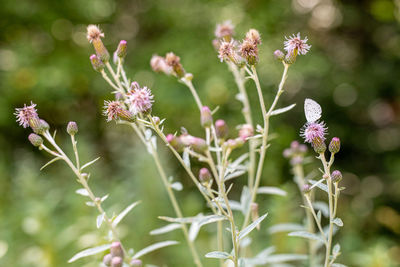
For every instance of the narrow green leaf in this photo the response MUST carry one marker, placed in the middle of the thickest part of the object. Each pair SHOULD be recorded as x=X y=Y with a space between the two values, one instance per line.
x=307 y=235
x=100 y=220
x=50 y=162
x=251 y=227
x=82 y=192
x=165 y=229
x=285 y=227
x=89 y=252
x=153 y=247
x=124 y=213
x=90 y=163
x=338 y=265
x=338 y=222
x=271 y=191
x=218 y=255
x=282 y=110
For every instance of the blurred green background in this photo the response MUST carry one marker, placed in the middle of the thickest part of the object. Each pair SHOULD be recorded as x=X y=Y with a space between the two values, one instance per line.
x=353 y=70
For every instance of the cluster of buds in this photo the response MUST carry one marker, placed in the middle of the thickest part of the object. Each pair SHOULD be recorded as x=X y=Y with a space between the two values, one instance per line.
x=115 y=110
x=179 y=143
x=116 y=257
x=295 y=153
x=170 y=64
x=231 y=50
x=294 y=46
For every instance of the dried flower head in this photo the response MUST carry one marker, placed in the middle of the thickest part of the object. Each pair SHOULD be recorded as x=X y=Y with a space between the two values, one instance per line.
x=253 y=36
x=112 y=109
x=227 y=51
x=225 y=30
x=249 y=51
x=94 y=33
x=313 y=130
x=26 y=115
x=140 y=100
x=158 y=64
x=294 y=44
x=174 y=62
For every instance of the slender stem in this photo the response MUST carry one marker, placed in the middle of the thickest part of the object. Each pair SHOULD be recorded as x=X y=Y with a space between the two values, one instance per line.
x=75 y=151
x=105 y=77
x=189 y=84
x=307 y=197
x=116 y=78
x=84 y=183
x=123 y=74
x=246 y=111
x=266 y=116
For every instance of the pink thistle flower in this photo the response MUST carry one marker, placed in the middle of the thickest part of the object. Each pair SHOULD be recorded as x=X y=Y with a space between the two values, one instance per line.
x=26 y=115
x=295 y=43
x=313 y=130
x=112 y=109
x=226 y=51
x=140 y=100
x=93 y=33
x=225 y=29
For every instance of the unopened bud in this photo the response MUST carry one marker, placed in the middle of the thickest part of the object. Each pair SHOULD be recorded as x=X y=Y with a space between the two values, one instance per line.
x=234 y=143
x=306 y=188
x=72 y=128
x=39 y=126
x=319 y=145
x=206 y=117
x=198 y=144
x=204 y=176
x=246 y=131
x=107 y=259
x=175 y=142
x=101 y=50
x=290 y=57
x=117 y=262
x=334 y=145
x=97 y=64
x=336 y=176
x=221 y=129
x=156 y=120
x=121 y=49
x=254 y=213
x=116 y=249
x=136 y=263
x=35 y=139
x=279 y=55
x=126 y=115
x=173 y=61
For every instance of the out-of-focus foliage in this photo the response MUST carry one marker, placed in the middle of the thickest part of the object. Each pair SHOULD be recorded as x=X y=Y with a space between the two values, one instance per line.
x=352 y=70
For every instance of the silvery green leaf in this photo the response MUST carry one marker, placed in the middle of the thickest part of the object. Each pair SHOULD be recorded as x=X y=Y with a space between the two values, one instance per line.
x=285 y=257
x=319 y=184
x=148 y=134
x=100 y=220
x=242 y=262
x=90 y=163
x=245 y=199
x=234 y=175
x=104 y=198
x=307 y=235
x=338 y=222
x=322 y=206
x=165 y=229
x=271 y=191
x=336 y=250
x=282 y=110
x=285 y=227
x=200 y=221
x=251 y=227
x=153 y=141
x=218 y=255
x=338 y=265
x=237 y=161
x=89 y=252
x=177 y=186
x=245 y=242
x=260 y=258
x=82 y=192
x=186 y=158
x=319 y=216
x=153 y=247
x=178 y=220
x=50 y=162
x=123 y=213
x=90 y=204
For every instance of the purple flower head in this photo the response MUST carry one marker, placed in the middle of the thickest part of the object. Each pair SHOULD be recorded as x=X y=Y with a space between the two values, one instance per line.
x=227 y=51
x=112 y=109
x=26 y=114
x=312 y=130
x=225 y=29
x=295 y=43
x=140 y=100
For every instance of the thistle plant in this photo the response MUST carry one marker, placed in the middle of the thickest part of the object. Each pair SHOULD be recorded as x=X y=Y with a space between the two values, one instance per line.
x=314 y=133
x=28 y=117
x=223 y=154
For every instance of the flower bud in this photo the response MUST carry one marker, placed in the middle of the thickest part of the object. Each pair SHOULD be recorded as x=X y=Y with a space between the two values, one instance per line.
x=204 y=176
x=116 y=249
x=121 y=49
x=206 y=117
x=290 y=57
x=72 y=128
x=336 y=176
x=173 y=61
x=234 y=143
x=156 y=120
x=117 y=262
x=296 y=160
x=107 y=259
x=279 y=55
x=198 y=144
x=221 y=129
x=175 y=142
x=35 y=139
x=319 y=145
x=334 y=145
x=126 y=115
x=306 y=188
x=97 y=64
x=136 y=263
x=246 y=131
x=39 y=126
x=101 y=50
